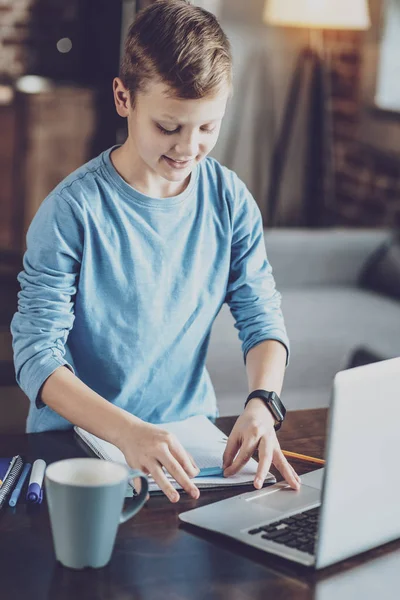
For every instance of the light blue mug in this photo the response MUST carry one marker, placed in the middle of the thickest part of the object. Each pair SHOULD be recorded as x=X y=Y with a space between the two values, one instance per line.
x=85 y=498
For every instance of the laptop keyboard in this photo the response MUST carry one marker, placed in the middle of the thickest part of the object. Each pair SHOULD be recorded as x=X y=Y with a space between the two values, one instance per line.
x=298 y=531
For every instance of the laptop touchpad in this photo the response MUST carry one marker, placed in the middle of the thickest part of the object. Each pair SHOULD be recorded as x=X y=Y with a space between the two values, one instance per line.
x=287 y=499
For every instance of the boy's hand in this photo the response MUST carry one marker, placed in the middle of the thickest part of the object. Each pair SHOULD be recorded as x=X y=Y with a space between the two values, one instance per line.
x=150 y=448
x=253 y=430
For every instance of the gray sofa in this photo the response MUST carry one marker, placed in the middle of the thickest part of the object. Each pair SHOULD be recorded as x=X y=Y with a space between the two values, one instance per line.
x=327 y=314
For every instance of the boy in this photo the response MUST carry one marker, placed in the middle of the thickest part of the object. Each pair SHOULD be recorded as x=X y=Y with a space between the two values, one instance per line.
x=131 y=257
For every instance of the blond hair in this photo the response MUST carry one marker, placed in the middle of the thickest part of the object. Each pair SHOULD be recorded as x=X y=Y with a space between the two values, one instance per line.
x=181 y=45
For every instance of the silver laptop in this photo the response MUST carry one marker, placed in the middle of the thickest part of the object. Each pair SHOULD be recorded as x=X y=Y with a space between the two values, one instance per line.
x=348 y=507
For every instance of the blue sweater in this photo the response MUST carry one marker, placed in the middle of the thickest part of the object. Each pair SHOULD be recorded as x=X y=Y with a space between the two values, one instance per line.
x=123 y=289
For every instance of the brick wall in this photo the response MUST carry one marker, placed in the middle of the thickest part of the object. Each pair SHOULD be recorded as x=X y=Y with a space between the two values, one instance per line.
x=367 y=181
x=29 y=32
x=367 y=186
x=14 y=20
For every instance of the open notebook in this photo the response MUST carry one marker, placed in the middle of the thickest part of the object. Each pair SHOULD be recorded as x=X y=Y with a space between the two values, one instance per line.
x=203 y=440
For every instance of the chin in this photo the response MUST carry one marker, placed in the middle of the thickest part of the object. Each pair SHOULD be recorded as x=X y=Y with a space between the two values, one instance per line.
x=178 y=175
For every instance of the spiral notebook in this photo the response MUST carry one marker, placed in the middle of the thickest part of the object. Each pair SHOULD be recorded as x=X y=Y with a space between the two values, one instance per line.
x=10 y=475
x=6 y=464
x=201 y=438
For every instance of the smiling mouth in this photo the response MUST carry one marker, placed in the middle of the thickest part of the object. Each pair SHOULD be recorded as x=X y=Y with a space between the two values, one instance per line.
x=177 y=164
x=180 y=161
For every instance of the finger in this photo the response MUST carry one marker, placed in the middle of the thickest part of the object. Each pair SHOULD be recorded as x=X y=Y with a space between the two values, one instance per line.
x=175 y=469
x=265 y=454
x=137 y=482
x=193 y=463
x=245 y=453
x=137 y=485
x=161 y=480
x=295 y=474
x=232 y=447
x=183 y=458
x=285 y=469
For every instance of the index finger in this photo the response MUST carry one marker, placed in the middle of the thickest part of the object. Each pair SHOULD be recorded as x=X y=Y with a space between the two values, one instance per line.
x=265 y=454
x=286 y=470
x=245 y=453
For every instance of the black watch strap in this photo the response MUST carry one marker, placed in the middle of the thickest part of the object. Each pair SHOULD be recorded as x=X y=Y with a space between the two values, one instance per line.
x=272 y=402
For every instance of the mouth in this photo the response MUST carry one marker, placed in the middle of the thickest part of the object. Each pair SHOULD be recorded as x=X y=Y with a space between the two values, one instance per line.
x=177 y=164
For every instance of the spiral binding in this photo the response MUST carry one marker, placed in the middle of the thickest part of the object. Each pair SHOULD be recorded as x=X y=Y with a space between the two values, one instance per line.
x=10 y=480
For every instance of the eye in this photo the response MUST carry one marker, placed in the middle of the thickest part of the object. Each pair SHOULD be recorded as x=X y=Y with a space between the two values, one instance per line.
x=208 y=130
x=167 y=131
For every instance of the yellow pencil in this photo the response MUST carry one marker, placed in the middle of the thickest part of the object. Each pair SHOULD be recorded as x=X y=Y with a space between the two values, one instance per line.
x=288 y=454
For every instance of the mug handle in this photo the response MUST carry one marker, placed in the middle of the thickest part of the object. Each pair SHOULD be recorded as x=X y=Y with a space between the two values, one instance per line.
x=139 y=500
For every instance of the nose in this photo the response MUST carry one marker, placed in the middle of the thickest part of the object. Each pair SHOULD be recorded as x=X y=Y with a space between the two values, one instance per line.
x=187 y=146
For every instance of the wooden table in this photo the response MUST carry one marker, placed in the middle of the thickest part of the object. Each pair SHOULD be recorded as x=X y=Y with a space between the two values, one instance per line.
x=156 y=558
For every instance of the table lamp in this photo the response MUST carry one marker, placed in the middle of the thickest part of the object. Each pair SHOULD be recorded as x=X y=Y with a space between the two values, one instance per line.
x=314 y=15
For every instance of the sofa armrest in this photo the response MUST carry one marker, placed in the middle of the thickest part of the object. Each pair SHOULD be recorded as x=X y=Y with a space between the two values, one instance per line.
x=308 y=257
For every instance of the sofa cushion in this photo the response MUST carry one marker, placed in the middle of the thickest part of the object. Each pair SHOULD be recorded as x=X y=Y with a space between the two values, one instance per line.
x=320 y=257
x=382 y=269
x=325 y=325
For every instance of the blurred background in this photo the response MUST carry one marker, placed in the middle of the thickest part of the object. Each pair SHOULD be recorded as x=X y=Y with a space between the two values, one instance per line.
x=313 y=129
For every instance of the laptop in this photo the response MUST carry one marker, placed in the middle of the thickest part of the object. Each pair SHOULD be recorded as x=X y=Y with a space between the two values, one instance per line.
x=349 y=506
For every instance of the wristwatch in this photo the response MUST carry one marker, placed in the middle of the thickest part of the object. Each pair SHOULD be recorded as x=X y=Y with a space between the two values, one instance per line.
x=272 y=402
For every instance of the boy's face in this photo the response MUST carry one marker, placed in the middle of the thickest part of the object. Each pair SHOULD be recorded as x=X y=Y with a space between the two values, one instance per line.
x=168 y=136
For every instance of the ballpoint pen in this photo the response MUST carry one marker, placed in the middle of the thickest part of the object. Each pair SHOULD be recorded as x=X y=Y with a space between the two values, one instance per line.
x=17 y=490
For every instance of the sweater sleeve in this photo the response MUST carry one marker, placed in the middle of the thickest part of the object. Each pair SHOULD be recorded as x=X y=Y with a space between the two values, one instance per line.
x=48 y=283
x=251 y=293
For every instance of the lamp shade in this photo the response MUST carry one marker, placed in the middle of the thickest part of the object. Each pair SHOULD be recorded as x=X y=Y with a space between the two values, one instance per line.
x=323 y=14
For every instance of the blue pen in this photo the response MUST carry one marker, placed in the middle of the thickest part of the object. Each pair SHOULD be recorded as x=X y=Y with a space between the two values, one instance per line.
x=17 y=490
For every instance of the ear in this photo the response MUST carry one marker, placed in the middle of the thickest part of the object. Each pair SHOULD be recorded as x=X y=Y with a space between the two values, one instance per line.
x=121 y=98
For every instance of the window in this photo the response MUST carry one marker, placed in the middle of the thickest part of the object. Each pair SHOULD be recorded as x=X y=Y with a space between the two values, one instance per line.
x=388 y=80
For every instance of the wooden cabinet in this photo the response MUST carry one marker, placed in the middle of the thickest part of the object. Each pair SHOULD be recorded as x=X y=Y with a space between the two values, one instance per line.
x=43 y=137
